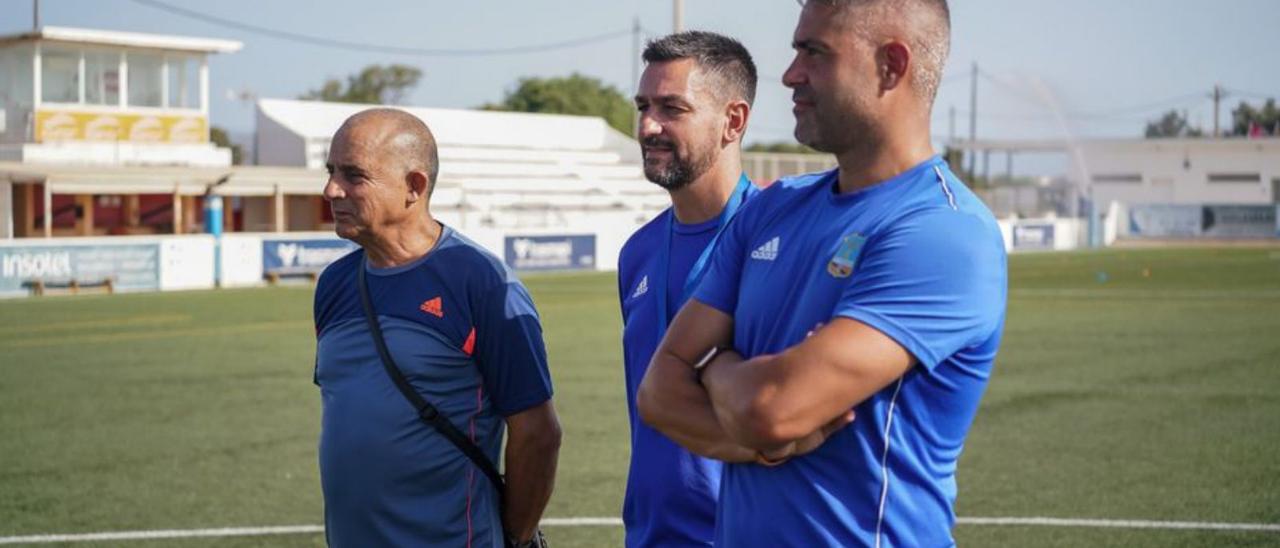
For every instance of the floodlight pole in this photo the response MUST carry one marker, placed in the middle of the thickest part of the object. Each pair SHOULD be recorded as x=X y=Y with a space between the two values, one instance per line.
x=973 y=122
x=635 y=72
x=1218 y=95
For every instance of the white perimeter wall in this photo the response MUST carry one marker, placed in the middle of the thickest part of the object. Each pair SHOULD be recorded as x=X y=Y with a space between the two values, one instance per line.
x=1067 y=234
x=187 y=262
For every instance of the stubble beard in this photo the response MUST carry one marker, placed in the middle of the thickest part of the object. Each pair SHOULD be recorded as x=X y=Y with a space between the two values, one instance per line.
x=678 y=172
x=848 y=128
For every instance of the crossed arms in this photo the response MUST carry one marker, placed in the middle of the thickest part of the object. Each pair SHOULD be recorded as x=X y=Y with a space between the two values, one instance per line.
x=770 y=407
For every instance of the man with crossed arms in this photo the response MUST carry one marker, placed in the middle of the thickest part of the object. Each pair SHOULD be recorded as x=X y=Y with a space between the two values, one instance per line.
x=878 y=287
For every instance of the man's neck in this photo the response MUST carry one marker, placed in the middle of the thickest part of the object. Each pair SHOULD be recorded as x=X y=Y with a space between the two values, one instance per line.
x=403 y=245
x=704 y=198
x=862 y=167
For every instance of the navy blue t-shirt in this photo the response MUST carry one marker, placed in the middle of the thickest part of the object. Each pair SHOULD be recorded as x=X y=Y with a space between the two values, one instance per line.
x=671 y=493
x=917 y=257
x=464 y=332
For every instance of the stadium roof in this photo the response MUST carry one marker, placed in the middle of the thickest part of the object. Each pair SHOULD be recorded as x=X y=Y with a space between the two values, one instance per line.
x=240 y=180
x=126 y=39
x=317 y=121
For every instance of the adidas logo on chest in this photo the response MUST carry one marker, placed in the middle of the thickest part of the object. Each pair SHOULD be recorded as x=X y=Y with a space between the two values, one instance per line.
x=768 y=251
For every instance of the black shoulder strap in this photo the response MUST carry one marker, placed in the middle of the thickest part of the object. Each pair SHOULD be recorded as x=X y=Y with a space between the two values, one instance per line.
x=427 y=412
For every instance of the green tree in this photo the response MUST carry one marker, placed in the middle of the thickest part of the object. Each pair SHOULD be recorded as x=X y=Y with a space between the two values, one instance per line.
x=1171 y=124
x=574 y=94
x=1267 y=117
x=781 y=146
x=374 y=84
x=220 y=138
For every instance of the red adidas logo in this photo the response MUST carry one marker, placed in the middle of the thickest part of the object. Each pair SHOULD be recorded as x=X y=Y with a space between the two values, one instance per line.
x=435 y=307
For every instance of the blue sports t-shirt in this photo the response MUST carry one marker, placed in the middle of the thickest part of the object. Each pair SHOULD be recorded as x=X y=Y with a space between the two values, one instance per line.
x=464 y=332
x=671 y=493
x=917 y=257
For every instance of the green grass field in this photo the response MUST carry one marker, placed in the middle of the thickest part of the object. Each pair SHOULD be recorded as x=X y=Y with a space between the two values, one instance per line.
x=1148 y=392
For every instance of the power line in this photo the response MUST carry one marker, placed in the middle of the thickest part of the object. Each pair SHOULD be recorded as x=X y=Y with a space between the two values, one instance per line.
x=1145 y=107
x=1252 y=94
x=1183 y=100
x=1029 y=116
x=378 y=48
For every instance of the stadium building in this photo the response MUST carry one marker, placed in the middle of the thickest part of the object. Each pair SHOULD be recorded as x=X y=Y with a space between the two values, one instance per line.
x=104 y=132
x=108 y=177
x=1136 y=189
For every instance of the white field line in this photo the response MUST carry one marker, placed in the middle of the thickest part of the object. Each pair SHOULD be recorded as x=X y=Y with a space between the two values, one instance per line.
x=1163 y=294
x=1125 y=524
x=165 y=534
x=580 y=522
x=617 y=522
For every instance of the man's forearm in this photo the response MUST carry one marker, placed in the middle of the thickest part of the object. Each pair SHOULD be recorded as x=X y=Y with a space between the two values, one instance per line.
x=530 y=470
x=772 y=400
x=672 y=402
x=733 y=387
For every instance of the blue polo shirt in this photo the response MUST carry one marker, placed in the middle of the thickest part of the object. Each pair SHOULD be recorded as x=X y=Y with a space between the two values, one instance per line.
x=917 y=257
x=671 y=493
x=464 y=332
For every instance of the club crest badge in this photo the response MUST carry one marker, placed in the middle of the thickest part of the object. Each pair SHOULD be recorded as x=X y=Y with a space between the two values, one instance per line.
x=841 y=265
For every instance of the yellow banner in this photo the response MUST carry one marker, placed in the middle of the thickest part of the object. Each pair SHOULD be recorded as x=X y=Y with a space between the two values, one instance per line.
x=62 y=125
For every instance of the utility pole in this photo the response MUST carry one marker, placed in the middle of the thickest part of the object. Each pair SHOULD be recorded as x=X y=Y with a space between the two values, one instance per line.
x=635 y=54
x=35 y=15
x=951 y=127
x=973 y=122
x=678 y=16
x=635 y=72
x=1218 y=96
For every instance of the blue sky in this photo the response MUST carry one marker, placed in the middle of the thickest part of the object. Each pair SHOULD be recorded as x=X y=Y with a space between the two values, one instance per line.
x=1109 y=65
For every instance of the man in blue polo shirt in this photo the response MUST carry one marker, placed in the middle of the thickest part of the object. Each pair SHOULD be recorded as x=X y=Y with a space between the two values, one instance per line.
x=464 y=333
x=879 y=286
x=694 y=100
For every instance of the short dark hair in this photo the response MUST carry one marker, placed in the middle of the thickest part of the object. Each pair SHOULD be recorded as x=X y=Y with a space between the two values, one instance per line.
x=717 y=54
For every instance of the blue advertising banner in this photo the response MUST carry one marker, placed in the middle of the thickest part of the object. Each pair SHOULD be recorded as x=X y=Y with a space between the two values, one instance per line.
x=1203 y=221
x=289 y=257
x=567 y=252
x=129 y=266
x=1239 y=221
x=1033 y=236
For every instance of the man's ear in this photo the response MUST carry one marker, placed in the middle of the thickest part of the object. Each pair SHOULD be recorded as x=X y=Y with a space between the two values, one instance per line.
x=893 y=61
x=419 y=186
x=737 y=112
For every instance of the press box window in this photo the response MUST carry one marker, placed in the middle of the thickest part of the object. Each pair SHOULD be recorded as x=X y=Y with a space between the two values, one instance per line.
x=145 y=82
x=15 y=76
x=102 y=78
x=184 y=83
x=59 y=75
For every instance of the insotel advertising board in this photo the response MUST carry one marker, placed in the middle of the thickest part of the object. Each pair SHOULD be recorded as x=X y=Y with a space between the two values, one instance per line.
x=63 y=125
x=130 y=266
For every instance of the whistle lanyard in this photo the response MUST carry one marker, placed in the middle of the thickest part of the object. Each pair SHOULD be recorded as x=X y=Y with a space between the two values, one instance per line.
x=700 y=266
